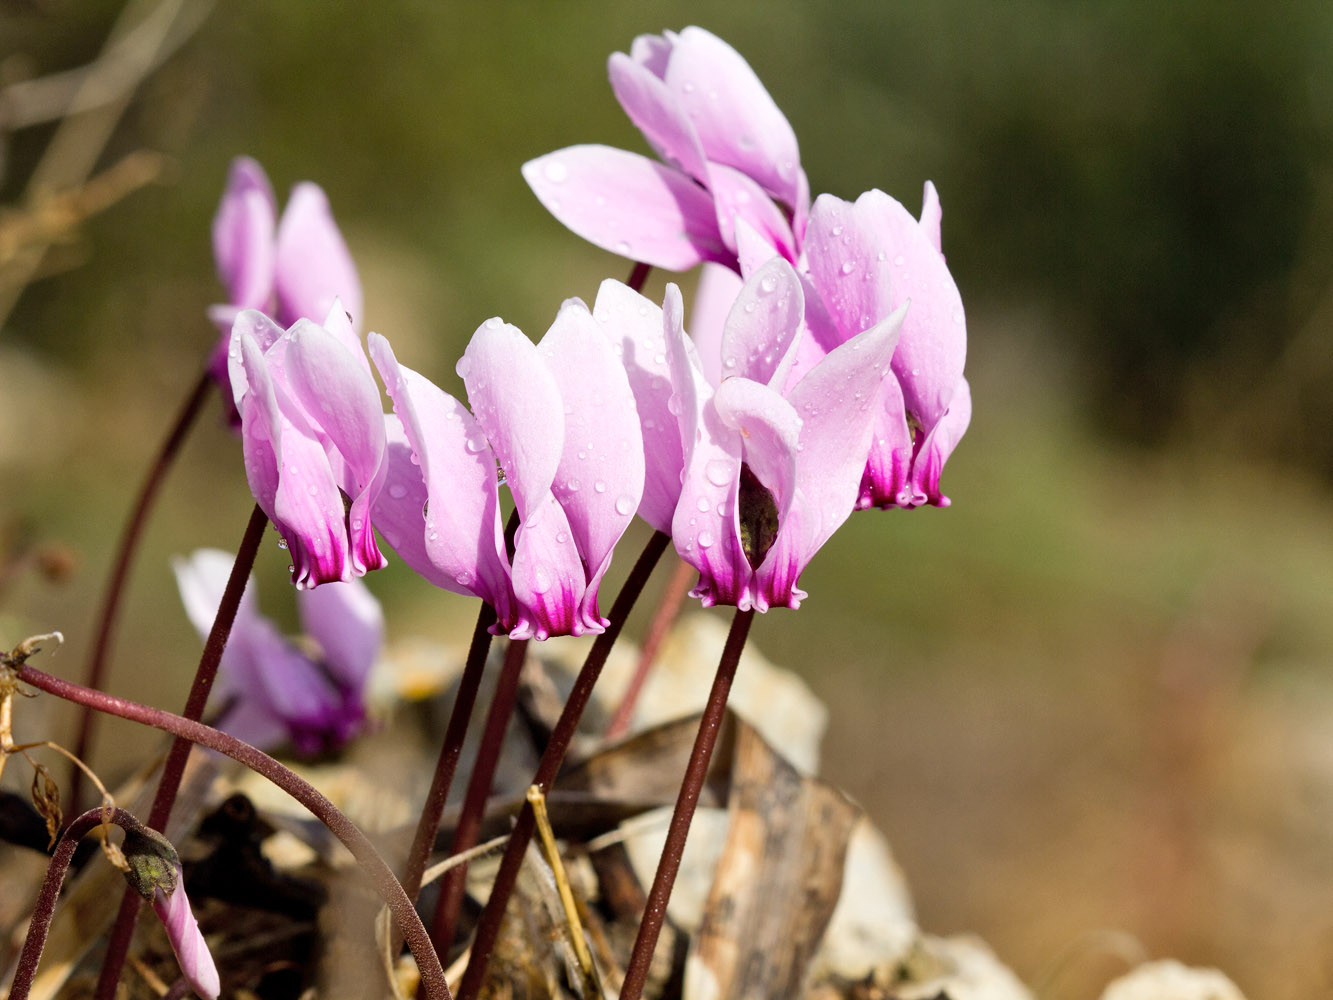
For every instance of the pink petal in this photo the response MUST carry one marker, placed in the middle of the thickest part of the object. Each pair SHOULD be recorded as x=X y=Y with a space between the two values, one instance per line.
x=333 y=386
x=850 y=264
x=548 y=576
x=713 y=298
x=653 y=51
x=259 y=328
x=243 y=236
x=765 y=321
x=187 y=941
x=931 y=216
x=839 y=401
x=461 y=537
x=930 y=356
x=938 y=446
x=517 y=404
x=736 y=119
x=201 y=579
x=738 y=198
x=348 y=623
x=629 y=205
x=603 y=449
x=314 y=266
x=290 y=686
x=290 y=477
x=889 y=463
x=634 y=325
x=652 y=107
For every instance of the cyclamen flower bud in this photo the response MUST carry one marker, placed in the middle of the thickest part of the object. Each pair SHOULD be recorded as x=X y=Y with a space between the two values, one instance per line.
x=155 y=874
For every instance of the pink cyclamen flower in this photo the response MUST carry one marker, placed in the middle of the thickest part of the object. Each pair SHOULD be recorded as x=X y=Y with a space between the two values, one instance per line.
x=154 y=871
x=312 y=427
x=558 y=418
x=276 y=691
x=866 y=259
x=731 y=156
x=750 y=479
x=292 y=268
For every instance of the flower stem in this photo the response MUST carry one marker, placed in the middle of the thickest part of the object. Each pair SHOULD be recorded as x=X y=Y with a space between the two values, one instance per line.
x=424 y=838
x=40 y=924
x=636 y=973
x=169 y=784
x=120 y=569
x=488 y=928
x=351 y=837
x=445 y=920
x=665 y=616
x=639 y=276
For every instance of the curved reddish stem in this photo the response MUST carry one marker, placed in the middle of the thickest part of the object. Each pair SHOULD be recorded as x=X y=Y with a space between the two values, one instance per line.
x=120 y=569
x=347 y=832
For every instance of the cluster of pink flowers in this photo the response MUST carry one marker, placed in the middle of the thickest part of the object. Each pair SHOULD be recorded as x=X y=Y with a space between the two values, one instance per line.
x=824 y=374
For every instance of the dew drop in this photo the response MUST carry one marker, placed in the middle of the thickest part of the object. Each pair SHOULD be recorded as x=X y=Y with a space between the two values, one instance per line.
x=623 y=248
x=625 y=506
x=397 y=491
x=768 y=283
x=562 y=537
x=702 y=505
x=718 y=472
x=837 y=230
x=463 y=579
x=541 y=580
x=476 y=443
x=573 y=486
x=848 y=266
x=494 y=323
x=599 y=486
x=705 y=539
x=314 y=490
x=282 y=543
x=556 y=172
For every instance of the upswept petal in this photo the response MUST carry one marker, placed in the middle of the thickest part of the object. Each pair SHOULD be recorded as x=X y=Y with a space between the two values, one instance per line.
x=737 y=121
x=462 y=533
x=653 y=109
x=348 y=623
x=202 y=579
x=338 y=322
x=840 y=400
x=293 y=688
x=517 y=402
x=243 y=235
x=312 y=264
x=761 y=331
x=931 y=216
x=930 y=356
x=738 y=197
x=290 y=477
x=850 y=265
x=634 y=326
x=333 y=386
x=263 y=331
x=713 y=298
x=599 y=482
x=187 y=941
x=629 y=205
x=398 y=510
x=938 y=446
x=653 y=51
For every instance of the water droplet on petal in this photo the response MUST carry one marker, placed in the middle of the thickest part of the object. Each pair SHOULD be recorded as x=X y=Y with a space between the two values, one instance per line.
x=705 y=539
x=282 y=543
x=573 y=486
x=623 y=248
x=463 y=579
x=397 y=491
x=625 y=506
x=848 y=266
x=562 y=537
x=718 y=472
x=541 y=580
x=768 y=283
x=599 y=486
x=702 y=505
x=476 y=443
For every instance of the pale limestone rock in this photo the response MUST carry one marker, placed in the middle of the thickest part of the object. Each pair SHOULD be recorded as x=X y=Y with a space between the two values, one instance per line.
x=1170 y=980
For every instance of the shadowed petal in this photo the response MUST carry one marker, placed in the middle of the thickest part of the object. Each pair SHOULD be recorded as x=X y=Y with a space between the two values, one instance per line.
x=629 y=205
x=313 y=265
x=850 y=265
x=737 y=197
x=713 y=298
x=634 y=326
x=889 y=464
x=243 y=236
x=760 y=335
x=460 y=535
x=653 y=108
x=348 y=623
x=938 y=446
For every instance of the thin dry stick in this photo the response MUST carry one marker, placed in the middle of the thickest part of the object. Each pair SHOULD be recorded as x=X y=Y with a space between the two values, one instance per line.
x=118 y=945
x=464 y=701
x=347 y=832
x=636 y=973
x=488 y=928
x=120 y=569
x=546 y=837
x=450 y=900
x=665 y=616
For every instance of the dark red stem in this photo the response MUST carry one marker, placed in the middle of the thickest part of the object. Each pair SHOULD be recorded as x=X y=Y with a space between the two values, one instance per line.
x=636 y=973
x=168 y=785
x=445 y=921
x=40 y=924
x=663 y=618
x=351 y=837
x=120 y=569
x=454 y=733
x=639 y=276
x=488 y=928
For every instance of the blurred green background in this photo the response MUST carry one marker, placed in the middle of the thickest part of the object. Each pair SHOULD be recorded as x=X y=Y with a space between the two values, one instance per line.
x=1091 y=694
